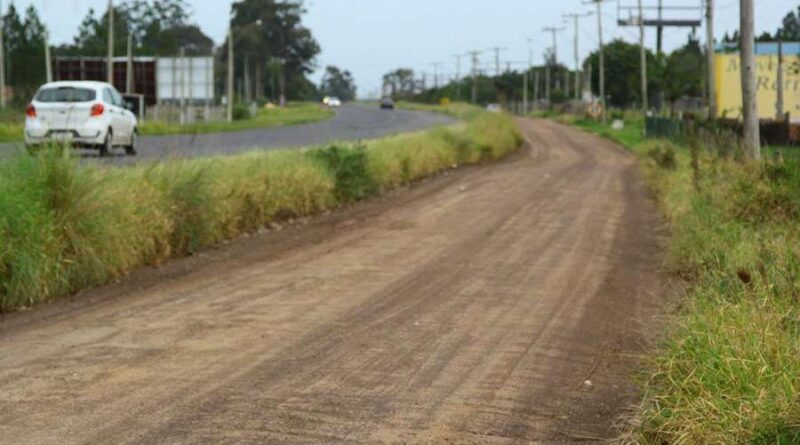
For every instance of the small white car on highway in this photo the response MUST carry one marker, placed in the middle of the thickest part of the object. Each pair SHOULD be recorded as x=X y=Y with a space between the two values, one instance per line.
x=83 y=114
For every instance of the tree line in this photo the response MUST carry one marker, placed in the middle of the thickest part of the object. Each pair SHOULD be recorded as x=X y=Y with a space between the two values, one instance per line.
x=672 y=76
x=273 y=58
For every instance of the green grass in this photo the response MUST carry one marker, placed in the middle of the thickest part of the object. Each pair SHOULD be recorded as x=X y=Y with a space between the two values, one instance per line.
x=292 y=114
x=66 y=226
x=12 y=124
x=728 y=369
x=459 y=110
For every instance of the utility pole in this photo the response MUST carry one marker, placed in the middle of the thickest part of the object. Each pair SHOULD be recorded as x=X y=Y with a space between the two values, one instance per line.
x=525 y=79
x=712 y=64
x=458 y=76
x=779 y=102
x=547 y=82
x=660 y=36
x=110 y=62
x=554 y=32
x=48 y=64
x=474 y=95
x=2 y=60
x=436 y=66
x=752 y=140
x=643 y=58
x=129 y=66
x=535 y=87
x=230 y=74
x=497 y=50
x=575 y=18
x=602 y=74
x=183 y=86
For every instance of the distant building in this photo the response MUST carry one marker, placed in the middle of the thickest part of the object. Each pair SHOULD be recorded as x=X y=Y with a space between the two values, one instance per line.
x=729 y=81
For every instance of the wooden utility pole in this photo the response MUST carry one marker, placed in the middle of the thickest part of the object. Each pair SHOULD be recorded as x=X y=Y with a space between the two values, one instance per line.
x=575 y=18
x=547 y=82
x=525 y=79
x=660 y=36
x=129 y=66
x=110 y=61
x=474 y=95
x=2 y=60
x=48 y=64
x=643 y=58
x=710 y=61
x=602 y=73
x=554 y=32
x=183 y=86
x=230 y=75
x=751 y=136
x=458 y=76
x=497 y=50
x=779 y=115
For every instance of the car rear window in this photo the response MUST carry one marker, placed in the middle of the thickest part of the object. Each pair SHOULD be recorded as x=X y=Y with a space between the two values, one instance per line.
x=66 y=94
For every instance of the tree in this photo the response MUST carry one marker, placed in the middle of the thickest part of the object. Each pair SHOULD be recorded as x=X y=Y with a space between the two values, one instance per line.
x=158 y=28
x=790 y=31
x=683 y=75
x=336 y=82
x=399 y=82
x=24 y=40
x=281 y=38
x=623 y=74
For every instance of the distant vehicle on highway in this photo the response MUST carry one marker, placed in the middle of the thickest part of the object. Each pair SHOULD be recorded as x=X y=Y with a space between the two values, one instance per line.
x=332 y=101
x=83 y=113
x=494 y=108
x=387 y=104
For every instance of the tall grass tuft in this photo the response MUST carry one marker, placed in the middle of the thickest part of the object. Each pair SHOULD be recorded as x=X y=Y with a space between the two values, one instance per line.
x=67 y=226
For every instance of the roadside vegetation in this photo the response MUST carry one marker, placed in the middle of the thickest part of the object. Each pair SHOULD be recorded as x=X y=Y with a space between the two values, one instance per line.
x=66 y=226
x=293 y=114
x=728 y=370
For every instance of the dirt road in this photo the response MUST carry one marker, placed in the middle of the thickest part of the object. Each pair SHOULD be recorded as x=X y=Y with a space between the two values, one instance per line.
x=470 y=309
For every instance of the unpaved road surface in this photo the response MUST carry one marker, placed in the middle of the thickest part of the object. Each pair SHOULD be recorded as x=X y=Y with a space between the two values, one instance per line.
x=469 y=309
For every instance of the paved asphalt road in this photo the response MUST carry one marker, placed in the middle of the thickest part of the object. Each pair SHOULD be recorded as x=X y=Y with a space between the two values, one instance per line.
x=352 y=122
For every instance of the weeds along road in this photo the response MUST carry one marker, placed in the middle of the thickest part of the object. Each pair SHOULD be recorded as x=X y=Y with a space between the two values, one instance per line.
x=471 y=308
x=351 y=122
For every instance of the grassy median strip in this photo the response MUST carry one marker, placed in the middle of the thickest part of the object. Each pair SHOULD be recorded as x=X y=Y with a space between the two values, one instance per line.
x=67 y=226
x=728 y=371
x=293 y=114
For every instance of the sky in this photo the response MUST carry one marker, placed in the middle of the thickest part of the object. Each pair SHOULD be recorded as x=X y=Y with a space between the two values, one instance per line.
x=372 y=37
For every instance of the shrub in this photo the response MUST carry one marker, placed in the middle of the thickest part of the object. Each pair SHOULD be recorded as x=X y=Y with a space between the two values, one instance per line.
x=349 y=168
x=241 y=112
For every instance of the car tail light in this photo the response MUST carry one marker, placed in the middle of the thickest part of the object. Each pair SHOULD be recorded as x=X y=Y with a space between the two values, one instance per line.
x=30 y=111
x=97 y=110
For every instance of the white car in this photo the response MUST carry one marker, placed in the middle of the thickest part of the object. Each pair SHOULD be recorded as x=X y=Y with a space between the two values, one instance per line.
x=84 y=114
x=334 y=102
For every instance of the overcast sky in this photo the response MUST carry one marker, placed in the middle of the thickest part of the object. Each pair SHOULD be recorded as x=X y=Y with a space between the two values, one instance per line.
x=371 y=37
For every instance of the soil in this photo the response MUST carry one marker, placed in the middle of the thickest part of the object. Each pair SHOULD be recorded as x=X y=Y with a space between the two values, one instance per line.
x=506 y=303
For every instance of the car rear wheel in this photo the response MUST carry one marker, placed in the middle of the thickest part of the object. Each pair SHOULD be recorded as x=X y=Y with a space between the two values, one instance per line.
x=108 y=144
x=130 y=149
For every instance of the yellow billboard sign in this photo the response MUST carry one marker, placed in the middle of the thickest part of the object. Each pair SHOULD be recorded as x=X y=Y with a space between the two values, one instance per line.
x=729 y=85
